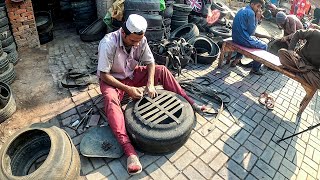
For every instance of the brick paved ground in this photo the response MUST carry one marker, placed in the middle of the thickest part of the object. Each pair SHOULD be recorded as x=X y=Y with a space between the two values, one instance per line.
x=217 y=148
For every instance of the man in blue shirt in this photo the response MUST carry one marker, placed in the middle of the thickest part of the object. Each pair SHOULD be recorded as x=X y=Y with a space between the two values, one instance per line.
x=243 y=31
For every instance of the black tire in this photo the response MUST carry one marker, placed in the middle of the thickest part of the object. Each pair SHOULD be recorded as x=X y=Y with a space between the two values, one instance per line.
x=4 y=63
x=167 y=22
x=182 y=8
x=218 y=5
x=179 y=18
x=9 y=75
x=23 y=149
x=3 y=14
x=9 y=106
x=222 y=22
x=4 y=28
x=94 y=28
x=162 y=138
x=46 y=37
x=207 y=50
x=153 y=20
x=180 y=13
x=4 y=35
x=13 y=57
x=12 y=47
x=187 y=32
x=142 y=5
x=92 y=37
x=154 y=35
x=4 y=21
x=43 y=20
x=178 y=23
x=84 y=9
x=221 y=31
x=7 y=42
x=168 y=12
x=81 y=4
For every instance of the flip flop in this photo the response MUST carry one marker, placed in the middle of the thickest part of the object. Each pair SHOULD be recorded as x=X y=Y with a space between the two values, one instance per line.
x=133 y=162
x=270 y=103
x=263 y=97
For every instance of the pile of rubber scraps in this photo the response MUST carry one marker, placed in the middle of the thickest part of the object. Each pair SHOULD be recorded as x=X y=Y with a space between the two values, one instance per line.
x=199 y=89
x=174 y=53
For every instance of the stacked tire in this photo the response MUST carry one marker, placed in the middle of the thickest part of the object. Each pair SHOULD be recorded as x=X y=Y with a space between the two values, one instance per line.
x=167 y=15
x=7 y=102
x=84 y=13
x=6 y=38
x=180 y=15
x=44 y=26
x=149 y=9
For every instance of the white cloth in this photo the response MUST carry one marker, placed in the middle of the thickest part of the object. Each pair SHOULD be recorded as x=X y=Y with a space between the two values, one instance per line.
x=136 y=23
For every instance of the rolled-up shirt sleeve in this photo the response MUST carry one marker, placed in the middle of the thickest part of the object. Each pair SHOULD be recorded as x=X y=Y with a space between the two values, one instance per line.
x=146 y=56
x=106 y=51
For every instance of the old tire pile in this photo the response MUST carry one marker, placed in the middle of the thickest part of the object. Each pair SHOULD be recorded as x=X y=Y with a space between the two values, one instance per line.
x=164 y=137
x=7 y=73
x=84 y=13
x=38 y=153
x=167 y=14
x=180 y=15
x=94 y=32
x=8 y=43
x=44 y=26
x=7 y=102
x=65 y=5
x=207 y=50
x=149 y=9
x=187 y=31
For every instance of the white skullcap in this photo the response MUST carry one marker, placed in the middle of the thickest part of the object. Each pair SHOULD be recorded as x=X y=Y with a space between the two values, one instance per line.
x=136 y=23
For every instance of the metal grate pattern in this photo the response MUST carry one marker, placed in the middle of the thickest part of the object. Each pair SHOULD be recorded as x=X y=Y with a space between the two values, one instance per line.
x=163 y=109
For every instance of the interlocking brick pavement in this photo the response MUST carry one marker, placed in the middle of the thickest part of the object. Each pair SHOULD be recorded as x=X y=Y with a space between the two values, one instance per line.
x=217 y=148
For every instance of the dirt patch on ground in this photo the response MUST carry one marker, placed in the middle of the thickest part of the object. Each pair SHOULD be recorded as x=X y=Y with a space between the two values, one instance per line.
x=37 y=97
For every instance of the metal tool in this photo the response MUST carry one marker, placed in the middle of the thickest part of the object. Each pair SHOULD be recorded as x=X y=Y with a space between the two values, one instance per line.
x=84 y=119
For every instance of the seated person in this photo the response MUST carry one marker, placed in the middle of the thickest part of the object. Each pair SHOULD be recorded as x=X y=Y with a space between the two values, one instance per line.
x=120 y=52
x=243 y=31
x=304 y=61
x=289 y=23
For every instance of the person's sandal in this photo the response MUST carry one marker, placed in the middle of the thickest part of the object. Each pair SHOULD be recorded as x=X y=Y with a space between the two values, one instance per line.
x=133 y=165
x=270 y=103
x=263 y=98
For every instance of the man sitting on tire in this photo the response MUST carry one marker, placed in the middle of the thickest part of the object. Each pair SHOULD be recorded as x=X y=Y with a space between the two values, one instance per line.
x=243 y=31
x=289 y=23
x=120 y=52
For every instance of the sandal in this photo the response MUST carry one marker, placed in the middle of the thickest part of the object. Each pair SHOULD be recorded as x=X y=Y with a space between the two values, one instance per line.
x=133 y=165
x=270 y=103
x=263 y=98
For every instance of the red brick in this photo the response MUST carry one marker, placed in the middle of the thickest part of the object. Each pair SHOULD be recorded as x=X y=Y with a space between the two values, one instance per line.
x=13 y=17
x=20 y=11
x=15 y=29
x=27 y=13
x=16 y=24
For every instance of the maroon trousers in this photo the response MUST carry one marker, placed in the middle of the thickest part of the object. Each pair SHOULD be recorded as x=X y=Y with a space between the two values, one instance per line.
x=113 y=96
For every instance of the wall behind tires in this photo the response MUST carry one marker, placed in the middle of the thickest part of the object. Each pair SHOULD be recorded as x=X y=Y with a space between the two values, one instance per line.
x=23 y=24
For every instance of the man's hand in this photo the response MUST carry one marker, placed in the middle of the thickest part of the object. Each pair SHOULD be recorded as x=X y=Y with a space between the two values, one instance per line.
x=134 y=92
x=151 y=90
